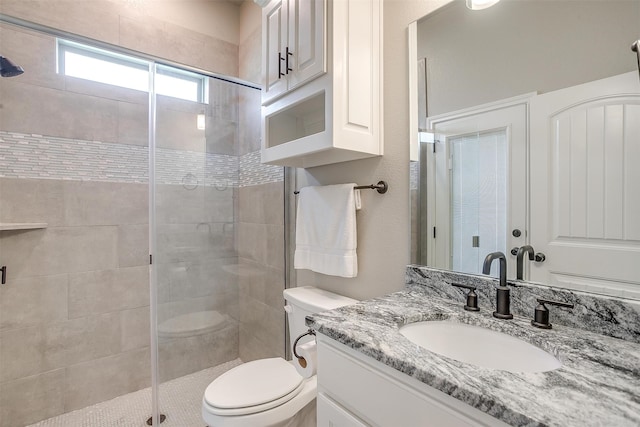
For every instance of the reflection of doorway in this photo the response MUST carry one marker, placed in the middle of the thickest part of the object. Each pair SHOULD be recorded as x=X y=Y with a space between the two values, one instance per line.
x=478 y=198
x=476 y=185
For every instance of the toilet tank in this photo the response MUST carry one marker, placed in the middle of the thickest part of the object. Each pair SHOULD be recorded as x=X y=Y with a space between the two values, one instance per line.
x=306 y=300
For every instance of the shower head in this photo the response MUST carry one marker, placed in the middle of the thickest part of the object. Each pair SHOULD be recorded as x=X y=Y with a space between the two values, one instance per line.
x=8 y=68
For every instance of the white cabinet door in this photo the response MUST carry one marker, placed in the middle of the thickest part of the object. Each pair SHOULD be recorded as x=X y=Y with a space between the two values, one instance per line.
x=306 y=46
x=274 y=45
x=585 y=191
x=330 y=414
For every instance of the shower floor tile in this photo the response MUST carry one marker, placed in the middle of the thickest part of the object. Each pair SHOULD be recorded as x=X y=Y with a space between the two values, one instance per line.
x=180 y=399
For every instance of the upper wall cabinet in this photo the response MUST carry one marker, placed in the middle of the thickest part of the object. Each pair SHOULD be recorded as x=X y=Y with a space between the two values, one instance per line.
x=294 y=45
x=322 y=95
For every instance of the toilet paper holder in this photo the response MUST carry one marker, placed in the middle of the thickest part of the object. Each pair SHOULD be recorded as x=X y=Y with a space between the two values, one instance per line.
x=301 y=360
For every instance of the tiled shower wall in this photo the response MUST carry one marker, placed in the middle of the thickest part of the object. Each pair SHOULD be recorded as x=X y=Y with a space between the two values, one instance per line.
x=74 y=314
x=260 y=244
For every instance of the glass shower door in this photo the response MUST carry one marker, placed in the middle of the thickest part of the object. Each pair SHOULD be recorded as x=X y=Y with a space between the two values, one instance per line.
x=196 y=175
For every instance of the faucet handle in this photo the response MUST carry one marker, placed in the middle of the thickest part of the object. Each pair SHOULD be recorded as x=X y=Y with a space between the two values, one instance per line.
x=541 y=313
x=472 y=297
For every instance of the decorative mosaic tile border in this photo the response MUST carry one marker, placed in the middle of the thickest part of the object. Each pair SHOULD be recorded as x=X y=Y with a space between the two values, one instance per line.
x=46 y=157
x=414 y=175
x=252 y=172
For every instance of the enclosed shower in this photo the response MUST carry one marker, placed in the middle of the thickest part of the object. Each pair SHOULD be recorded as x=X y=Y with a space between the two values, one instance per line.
x=142 y=238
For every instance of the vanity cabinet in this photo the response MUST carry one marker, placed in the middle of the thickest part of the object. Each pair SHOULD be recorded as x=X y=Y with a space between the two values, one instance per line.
x=293 y=37
x=355 y=390
x=322 y=70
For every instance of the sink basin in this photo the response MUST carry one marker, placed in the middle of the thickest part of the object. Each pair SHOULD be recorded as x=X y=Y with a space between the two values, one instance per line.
x=479 y=346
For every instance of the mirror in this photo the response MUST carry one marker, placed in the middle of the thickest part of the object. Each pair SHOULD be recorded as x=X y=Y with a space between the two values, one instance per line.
x=531 y=108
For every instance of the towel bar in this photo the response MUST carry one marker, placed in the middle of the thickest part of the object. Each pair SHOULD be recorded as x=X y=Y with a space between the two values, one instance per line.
x=381 y=187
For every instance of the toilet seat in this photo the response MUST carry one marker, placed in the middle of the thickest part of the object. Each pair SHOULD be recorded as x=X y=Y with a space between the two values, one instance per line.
x=274 y=382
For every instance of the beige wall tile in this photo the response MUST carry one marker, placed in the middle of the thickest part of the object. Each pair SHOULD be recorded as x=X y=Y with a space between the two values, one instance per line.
x=79 y=340
x=176 y=204
x=58 y=113
x=32 y=301
x=97 y=19
x=133 y=245
x=105 y=203
x=221 y=136
x=249 y=120
x=105 y=291
x=22 y=353
x=32 y=200
x=28 y=400
x=107 y=91
x=188 y=242
x=73 y=203
x=59 y=250
x=182 y=356
x=105 y=378
x=133 y=119
x=177 y=130
x=39 y=349
x=252 y=241
x=136 y=331
x=250 y=58
x=253 y=348
x=275 y=246
x=262 y=204
x=219 y=204
x=150 y=35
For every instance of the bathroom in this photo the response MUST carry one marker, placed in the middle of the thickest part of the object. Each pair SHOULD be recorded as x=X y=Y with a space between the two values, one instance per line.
x=221 y=247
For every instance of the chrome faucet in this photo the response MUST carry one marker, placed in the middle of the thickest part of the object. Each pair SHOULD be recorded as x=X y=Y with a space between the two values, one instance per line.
x=520 y=260
x=503 y=295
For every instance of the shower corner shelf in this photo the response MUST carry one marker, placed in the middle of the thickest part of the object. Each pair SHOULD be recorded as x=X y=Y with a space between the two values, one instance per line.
x=6 y=226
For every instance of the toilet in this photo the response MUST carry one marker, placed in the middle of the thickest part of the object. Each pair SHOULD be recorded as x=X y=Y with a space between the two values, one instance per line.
x=269 y=392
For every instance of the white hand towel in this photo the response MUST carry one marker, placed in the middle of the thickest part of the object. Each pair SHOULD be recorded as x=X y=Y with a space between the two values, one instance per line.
x=326 y=239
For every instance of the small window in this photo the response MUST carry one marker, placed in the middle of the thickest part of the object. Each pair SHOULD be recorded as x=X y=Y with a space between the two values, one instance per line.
x=98 y=65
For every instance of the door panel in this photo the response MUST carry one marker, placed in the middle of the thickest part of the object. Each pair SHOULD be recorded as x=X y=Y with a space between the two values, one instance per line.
x=499 y=132
x=274 y=39
x=584 y=185
x=306 y=40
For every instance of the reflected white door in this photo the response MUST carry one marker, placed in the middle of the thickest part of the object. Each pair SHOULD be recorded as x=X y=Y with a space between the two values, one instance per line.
x=585 y=186
x=478 y=185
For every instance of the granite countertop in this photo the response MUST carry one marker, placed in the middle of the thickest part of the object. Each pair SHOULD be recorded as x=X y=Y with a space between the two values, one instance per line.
x=598 y=383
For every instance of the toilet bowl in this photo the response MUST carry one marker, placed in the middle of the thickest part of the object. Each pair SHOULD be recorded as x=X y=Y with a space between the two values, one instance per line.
x=269 y=392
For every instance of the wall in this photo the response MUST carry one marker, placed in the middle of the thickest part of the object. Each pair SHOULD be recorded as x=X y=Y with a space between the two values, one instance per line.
x=551 y=45
x=134 y=24
x=383 y=222
x=74 y=315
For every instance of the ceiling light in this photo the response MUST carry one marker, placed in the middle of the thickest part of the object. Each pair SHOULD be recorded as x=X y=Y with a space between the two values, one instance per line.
x=480 y=4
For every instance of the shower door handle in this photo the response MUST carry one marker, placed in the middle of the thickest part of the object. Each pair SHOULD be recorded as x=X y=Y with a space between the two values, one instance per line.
x=4 y=274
